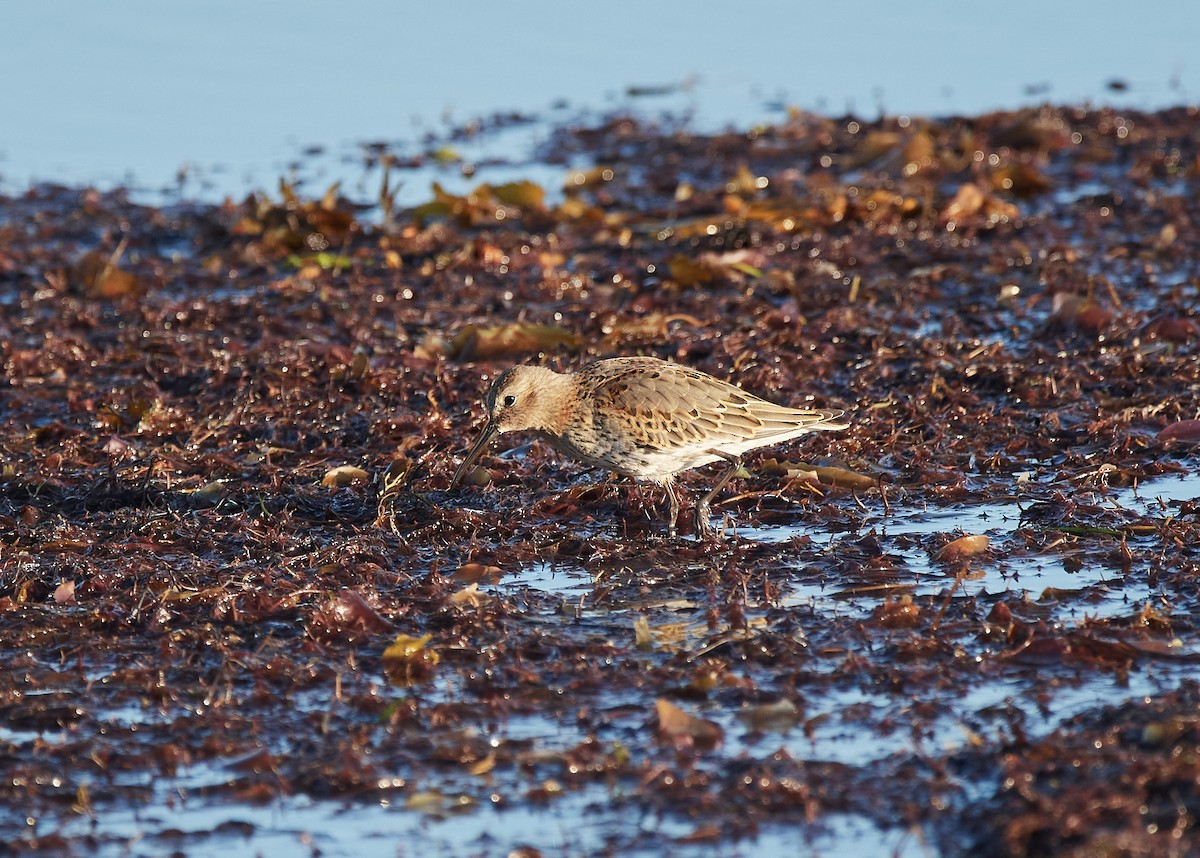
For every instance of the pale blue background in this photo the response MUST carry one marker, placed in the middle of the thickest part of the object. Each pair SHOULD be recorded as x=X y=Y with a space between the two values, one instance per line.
x=131 y=90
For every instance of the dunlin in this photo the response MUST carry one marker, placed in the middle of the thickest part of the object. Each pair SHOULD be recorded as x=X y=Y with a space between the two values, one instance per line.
x=642 y=417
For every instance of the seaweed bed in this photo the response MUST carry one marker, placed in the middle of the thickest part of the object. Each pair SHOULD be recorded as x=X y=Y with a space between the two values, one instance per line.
x=241 y=611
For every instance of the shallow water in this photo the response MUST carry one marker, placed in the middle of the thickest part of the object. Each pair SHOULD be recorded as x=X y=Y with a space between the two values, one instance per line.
x=573 y=824
x=137 y=98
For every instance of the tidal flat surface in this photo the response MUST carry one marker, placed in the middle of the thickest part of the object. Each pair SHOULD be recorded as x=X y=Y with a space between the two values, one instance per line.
x=241 y=611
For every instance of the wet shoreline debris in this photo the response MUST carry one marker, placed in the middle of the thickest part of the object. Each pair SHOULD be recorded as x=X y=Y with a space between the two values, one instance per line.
x=233 y=578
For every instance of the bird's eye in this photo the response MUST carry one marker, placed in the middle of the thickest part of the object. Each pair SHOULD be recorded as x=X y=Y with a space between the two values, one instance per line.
x=510 y=401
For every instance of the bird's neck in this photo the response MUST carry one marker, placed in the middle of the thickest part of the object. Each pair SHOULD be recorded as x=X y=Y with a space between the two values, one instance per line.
x=560 y=405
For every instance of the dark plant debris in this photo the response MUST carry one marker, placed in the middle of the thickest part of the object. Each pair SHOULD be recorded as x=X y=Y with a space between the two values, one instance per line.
x=232 y=575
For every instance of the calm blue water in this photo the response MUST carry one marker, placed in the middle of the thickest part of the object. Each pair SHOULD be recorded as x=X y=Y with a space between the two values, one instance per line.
x=134 y=90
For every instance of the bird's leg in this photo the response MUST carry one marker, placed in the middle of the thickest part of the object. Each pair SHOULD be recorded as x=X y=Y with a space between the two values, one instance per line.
x=703 y=528
x=673 y=511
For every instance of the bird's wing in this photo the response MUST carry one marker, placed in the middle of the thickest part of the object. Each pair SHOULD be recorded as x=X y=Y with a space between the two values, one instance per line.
x=666 y=406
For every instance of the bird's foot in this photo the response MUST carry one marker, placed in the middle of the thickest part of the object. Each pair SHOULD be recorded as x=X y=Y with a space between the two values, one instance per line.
x=700 y=524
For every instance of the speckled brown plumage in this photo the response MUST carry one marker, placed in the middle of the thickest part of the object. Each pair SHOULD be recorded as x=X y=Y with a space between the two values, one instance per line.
x=643 y=417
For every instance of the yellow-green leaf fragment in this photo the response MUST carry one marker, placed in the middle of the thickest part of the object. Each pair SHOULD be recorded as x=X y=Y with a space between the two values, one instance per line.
x=526 y=195
x=407 y=648
x=344 y=475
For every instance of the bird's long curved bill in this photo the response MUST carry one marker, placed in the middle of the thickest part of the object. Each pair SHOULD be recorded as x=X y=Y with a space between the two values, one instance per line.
x=474 y=453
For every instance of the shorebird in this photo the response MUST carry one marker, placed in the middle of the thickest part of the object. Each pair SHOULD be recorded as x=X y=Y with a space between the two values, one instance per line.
x=642 y=417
